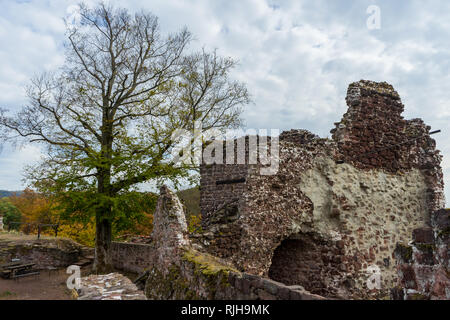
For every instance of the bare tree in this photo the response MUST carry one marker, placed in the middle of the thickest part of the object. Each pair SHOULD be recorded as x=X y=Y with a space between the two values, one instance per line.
x=106 y=118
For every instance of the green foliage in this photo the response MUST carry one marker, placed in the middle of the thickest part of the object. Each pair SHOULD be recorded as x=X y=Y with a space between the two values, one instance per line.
x=10 y=213
x=6 y=294
x=132 y=210
x=191 y=201
x=127 y=211
x=206 y=264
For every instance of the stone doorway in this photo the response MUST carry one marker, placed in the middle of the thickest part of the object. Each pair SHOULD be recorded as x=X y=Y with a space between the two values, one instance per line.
x=305 y=260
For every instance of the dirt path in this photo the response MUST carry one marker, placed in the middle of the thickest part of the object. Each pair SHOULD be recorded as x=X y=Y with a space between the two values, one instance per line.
x=43 y=287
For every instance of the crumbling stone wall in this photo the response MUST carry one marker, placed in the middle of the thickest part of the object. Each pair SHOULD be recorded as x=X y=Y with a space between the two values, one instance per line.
x=222 y=186
x=374 y=135
x=423 y=266
x=182 y=270
x=368 y=212
x=308 y=260
x=351 y=193
x=336 y=209
x=201 y=276
x=132 y=257
x=169 y=234
x=45 y=253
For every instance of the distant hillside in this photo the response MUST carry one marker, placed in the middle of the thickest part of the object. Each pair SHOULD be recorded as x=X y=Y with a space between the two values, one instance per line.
x=191 y=199
x=5 y=193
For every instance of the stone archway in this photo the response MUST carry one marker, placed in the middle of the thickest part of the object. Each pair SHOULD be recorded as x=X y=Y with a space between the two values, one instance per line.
x=308 y=261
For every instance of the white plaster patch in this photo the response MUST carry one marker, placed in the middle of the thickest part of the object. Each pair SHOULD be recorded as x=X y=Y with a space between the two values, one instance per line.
x=380 y=209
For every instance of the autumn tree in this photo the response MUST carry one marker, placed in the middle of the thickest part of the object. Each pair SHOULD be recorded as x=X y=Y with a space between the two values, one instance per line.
x=10 y=213
x=107 y=116
x=34 y=207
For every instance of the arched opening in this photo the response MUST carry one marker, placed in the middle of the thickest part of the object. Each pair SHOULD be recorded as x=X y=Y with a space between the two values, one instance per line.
x=305 y=260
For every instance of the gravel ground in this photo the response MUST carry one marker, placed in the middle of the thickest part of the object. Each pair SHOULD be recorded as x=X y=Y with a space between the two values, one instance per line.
x=46 y=286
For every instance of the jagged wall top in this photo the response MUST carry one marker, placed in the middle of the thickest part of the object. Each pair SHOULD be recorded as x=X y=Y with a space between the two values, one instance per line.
x=382 y=88
x=373 y=134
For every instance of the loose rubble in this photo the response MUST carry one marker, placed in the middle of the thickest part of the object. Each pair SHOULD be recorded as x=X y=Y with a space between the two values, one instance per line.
x=113 y=286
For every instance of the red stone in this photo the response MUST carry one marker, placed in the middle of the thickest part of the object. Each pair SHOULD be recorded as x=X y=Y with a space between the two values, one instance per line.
x=423 y=235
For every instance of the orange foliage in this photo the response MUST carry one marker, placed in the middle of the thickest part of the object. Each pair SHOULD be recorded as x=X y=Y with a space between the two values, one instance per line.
x=81 y=233
x=142 y=227
x=145 y=227
x=38 y=209
x=35 y=209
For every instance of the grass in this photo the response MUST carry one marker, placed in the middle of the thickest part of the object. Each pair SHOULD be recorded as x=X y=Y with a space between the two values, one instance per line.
x=6 y=294
x=15 y=236
x=191 y=199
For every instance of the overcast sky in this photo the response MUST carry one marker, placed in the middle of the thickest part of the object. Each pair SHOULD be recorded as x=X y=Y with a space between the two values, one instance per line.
x=296 y=56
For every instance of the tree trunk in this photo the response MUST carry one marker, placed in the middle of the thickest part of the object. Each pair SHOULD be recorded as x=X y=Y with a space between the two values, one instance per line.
x=103 y=260
x=103 y=230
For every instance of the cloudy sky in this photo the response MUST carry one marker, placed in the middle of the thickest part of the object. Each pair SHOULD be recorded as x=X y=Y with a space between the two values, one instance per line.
x=296 y=56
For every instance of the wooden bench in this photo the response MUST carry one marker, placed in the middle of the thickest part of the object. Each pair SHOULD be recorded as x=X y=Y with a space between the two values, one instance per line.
x=17 y=270
x=8 y=265
x=5 y=269
x=5 y=273
x=17 y=276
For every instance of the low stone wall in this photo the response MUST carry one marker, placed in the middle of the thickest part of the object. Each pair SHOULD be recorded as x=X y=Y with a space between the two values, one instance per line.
x=45 y=253
x=201 y=276
x=132 y=257
x=181 y=270
x=196 y=276
x=250 y=287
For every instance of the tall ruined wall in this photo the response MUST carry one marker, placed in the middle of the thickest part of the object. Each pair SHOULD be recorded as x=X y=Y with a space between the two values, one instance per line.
x=368 y=213
x=343 y=219
x=221 y=185
x=336 y=208
x=374 y=135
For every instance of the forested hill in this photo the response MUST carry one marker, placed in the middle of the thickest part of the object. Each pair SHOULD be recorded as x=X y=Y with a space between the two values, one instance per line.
x=5 y=193
x=191 y=199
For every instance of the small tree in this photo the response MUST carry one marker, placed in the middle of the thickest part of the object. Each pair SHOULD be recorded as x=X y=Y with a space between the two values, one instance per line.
x=10 y=213
x=106 y=118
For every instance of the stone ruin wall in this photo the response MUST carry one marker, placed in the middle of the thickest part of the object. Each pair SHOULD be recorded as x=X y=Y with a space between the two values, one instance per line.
x=315 y=227
x=180 y=269
x=45 y=253
x=373 y=124
x=321 y=223
x=423 y=265
x=132 y=257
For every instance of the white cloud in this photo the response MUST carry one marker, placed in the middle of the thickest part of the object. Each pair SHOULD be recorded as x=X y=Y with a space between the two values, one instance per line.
x=12 y=163
x=297 y=57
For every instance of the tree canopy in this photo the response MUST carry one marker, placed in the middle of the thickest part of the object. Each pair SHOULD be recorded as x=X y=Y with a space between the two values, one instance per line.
x=106 y=118
x=10 y=213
